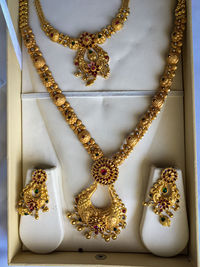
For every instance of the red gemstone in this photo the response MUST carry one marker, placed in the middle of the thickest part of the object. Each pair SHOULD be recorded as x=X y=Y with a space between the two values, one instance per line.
x=117 y=22
x=76 y=63
x=86 y=39
x=95 y=227
x=76 y=199
x=106 y=57
x=124 y=211
x=103 y=171
x=96 y=232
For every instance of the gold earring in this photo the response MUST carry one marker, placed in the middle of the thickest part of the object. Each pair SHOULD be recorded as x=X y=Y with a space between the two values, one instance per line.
x=164 y=196
x=34 y=196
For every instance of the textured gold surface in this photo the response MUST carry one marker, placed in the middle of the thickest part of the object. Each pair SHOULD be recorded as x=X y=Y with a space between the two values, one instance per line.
x=94 y=221
x=34 y=196
x=90 y=60
x=164 y=196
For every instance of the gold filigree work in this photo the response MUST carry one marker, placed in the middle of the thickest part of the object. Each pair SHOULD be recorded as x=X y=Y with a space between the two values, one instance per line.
x=98 y=221
x=34 y=196
x=164 y=196
x=104 y=221
x=90 y=60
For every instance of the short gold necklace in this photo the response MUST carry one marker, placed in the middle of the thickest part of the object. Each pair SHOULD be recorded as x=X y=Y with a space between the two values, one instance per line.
x=91 y=60
x=92 y=220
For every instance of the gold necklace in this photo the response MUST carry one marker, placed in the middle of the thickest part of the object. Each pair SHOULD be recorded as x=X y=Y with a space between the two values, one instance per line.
x=104 y=221
x=86 y=45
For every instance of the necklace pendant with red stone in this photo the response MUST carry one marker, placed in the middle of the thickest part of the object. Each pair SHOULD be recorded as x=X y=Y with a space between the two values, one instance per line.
x=91 y=60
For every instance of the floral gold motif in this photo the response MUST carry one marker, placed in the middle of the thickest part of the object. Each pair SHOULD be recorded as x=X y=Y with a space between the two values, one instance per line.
x=104 y=171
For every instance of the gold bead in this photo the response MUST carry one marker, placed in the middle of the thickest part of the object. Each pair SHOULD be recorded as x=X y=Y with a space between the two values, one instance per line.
x=158 y=101
x=69 y=215
x=54 y=35
x=165 y=81
x=87 y=235
x=172 y=59
x=70 y=117
x=78 y=74
x=84 y=136
x=107 y=238
x=176 y=36
x=79 y=228
x=39 y=62
x=73 y=222
x=117 y=24
x=59 y=99
x=114 y=237
x=132 y=140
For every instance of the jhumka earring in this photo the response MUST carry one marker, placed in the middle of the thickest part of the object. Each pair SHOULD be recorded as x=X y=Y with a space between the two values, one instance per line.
x=164 y=196
x=34 y=196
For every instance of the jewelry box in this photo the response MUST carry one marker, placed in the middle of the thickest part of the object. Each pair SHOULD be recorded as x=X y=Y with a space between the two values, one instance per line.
x=18 y=144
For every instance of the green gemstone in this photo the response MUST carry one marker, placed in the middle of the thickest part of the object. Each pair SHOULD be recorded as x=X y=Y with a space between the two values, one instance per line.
x=90 y=51
x=73 y=43
x=47 y=201
x=115 y=229
x=164 y=190
x=162 y=219
x=25 y=213
x=36 y=191
x=99 y=35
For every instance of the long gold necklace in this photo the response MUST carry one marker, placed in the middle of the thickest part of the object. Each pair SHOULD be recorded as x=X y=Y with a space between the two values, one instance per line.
x=104 y=221
x=91 y=60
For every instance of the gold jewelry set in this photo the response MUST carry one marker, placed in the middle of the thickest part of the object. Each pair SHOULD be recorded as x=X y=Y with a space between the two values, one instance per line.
x=86 y=217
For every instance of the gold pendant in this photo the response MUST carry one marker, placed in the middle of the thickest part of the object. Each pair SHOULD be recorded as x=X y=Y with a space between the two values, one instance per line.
x=34 y=196
x=164 y=196
x=91 y=60
x=99 y=221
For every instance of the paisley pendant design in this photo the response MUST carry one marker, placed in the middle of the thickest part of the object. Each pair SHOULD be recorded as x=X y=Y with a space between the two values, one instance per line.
x=94 y=221
x=91 y=60
x=34 y=196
